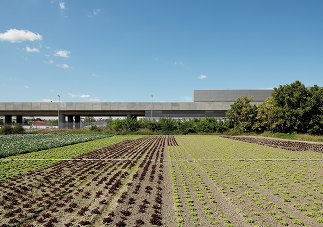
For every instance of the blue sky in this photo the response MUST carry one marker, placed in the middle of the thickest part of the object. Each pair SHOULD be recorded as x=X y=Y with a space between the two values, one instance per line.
x=127 y=50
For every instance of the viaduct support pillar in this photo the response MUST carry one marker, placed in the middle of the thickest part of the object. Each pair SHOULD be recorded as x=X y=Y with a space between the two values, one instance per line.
x=61 y=121
x=19 y=119
x=70 y=121
x=8 y=119
x=77 y=121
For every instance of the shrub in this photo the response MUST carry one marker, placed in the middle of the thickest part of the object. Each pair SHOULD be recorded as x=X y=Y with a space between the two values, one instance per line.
x=18 y=129
x=6 y=130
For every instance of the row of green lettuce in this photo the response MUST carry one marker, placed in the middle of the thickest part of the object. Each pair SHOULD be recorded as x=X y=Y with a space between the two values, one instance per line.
x=26 y=143
x=23 y=163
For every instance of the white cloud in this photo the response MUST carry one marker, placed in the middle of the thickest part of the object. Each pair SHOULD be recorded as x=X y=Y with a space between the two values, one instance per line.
x=16 y=36
x=83 y=96
x=62 y=53
x=62 y=5
x=178 y=63
x=26 y=86
x=63 y=66
x=94 y=13
x=28 y=49
x=201 y=77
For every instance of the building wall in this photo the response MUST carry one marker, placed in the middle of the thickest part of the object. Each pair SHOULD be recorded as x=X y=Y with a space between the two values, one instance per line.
x=230 y=95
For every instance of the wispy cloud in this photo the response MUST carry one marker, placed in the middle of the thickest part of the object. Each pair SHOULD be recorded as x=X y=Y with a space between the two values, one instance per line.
x=26 y=86
x=63 y=66
x=62 y=5
x=83 y=96
x=17 y=36
x=94 y=13
x=62 y=53
x=50 y=61
x=201 y=77
x=95 y=75
x=178 y=63
x=28 y=49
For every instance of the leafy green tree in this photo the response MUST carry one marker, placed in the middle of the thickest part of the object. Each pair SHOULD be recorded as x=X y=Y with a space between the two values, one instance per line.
x=130 y=124
x=315 y=125
x=264 y=118
x=186 y=126
x=167 y=124
x=243 y=113
x=207 y=125
x=297 y=108
x=153 y=126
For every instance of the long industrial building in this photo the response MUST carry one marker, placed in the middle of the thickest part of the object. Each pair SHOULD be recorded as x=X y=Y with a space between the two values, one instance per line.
x=206 y=103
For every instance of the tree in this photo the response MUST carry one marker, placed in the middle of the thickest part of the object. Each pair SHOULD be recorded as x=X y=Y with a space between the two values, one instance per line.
x=242 y=113
x=297 y=108
x=315 y=125
x=264 y=118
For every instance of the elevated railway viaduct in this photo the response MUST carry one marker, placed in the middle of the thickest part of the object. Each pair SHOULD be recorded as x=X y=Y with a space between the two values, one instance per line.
x=206 y=103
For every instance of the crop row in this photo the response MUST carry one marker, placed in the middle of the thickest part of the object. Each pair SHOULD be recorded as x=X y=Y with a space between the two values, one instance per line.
x=25 y=163
x=72 y=192
x=21 y=144
x=141 y=202
x=262 y=191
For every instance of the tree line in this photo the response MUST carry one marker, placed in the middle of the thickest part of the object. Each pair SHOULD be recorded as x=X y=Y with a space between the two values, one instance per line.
x=292 y=108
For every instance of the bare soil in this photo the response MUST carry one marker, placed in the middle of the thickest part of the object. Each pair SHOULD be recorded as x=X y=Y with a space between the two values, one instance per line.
x=280 y=143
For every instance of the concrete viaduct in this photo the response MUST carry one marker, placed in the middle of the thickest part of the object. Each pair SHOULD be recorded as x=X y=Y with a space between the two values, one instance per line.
x=206 y=103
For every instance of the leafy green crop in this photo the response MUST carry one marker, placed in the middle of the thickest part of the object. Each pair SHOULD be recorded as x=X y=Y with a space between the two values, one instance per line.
x=21 y=144
x=23 y=163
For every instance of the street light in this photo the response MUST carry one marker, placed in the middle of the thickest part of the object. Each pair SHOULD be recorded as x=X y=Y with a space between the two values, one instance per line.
x=152 y=106
x=59 y=102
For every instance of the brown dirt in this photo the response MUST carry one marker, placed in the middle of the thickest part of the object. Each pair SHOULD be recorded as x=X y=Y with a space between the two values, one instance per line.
x=280 y=143
x=66 y=183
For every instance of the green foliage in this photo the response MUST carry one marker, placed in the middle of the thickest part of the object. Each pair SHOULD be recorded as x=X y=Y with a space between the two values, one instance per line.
x=53 y=155
x=293 y=108
x=243 y=113
x=264 y=118
x=19 y=144
x=16 y=129
x=94 y=128
x=6 y=130
x=297 y=108
x=128 y=124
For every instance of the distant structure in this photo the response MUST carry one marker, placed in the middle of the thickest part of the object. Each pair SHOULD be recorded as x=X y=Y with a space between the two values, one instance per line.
x=206 y=103
x=230 y=95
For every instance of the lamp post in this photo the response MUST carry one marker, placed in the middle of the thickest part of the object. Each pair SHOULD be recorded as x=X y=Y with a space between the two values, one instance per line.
x=152 y=106
x=59 y=102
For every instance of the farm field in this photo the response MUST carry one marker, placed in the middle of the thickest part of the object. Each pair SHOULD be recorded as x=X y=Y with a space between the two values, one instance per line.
x=25 y=143
x=163 y=181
